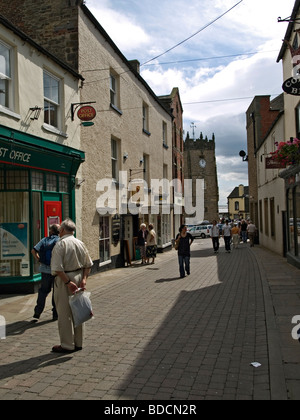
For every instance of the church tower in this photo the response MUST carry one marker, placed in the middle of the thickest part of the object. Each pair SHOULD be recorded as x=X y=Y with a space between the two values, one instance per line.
x=200 y=163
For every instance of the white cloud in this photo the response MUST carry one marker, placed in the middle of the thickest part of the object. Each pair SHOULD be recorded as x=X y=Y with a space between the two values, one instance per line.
x=232 y=171
x=124 y=31
x=146 y=29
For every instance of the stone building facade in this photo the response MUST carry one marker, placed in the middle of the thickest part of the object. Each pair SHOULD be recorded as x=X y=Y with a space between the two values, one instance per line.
x=289 y=56
x=173 y=102
x=40 y=156
x=200 y=164
x=132 y=132
x=260 y=116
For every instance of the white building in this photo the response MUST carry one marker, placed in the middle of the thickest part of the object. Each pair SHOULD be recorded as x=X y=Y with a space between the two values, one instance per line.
x=39 y=151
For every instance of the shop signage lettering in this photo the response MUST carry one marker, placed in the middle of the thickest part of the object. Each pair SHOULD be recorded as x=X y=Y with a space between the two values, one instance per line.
x=292 y=86
x=272 y=164
x=15 y=155
x=86 y=113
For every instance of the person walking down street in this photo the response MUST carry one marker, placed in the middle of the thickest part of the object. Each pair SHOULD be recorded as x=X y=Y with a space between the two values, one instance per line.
x=184 y=250
x=142 y=241
x=215 y=236
x=151 y=249
x=227 y=236
x=251 y=233
x=235 y=236
x=244 y=231
x=71 y=264
x=42 y=252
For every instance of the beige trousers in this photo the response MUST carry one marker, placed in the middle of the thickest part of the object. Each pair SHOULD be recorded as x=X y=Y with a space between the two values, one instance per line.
x=235 y=239
x=70 y=337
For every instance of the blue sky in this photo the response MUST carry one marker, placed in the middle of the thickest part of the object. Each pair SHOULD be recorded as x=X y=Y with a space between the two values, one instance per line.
x=210 y=84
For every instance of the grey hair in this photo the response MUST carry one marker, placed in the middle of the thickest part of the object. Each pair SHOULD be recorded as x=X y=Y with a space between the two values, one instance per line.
x=68 y=225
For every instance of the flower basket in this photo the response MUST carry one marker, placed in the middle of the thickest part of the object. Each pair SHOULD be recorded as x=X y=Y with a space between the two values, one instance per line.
x=287 y=153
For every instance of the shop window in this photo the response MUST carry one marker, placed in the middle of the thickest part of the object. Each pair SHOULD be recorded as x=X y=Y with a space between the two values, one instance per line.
x=37 y=180
x=17 y=180
x=1 y=180
x=14 y=234
x=63 y=184
x=5 y=76
x=51 y=100
x=104 y=240
x=66 y=206
x=163 y=229
x=51 y=182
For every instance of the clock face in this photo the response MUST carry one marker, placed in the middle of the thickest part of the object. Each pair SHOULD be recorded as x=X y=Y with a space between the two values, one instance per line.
x=202 y=163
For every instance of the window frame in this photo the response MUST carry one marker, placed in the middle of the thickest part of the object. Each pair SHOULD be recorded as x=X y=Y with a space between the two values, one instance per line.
x=52 y=102
x=165 y=134
x=105 y=240
x=146 y=119
x=8 y=79
x=115 y=161
x=114 y=91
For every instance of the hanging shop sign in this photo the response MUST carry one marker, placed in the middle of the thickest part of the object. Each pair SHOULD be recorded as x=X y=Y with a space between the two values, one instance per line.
x=86 y=113
x=272 y=164
x=292 y=86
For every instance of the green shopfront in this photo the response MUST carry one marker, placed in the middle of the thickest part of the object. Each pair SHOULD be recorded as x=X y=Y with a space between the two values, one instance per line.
x=37 y=189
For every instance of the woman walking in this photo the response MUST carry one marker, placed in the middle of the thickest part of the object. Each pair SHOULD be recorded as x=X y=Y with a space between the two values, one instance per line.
x=184 y=241
x=151 y=249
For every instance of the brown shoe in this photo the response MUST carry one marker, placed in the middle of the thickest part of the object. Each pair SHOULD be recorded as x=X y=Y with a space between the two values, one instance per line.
x=60 y=349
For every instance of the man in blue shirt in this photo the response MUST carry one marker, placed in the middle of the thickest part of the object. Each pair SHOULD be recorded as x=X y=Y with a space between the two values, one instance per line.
x=42 y=253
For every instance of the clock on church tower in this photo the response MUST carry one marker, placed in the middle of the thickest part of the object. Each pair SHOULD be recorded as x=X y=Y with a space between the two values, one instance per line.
x=202 y=163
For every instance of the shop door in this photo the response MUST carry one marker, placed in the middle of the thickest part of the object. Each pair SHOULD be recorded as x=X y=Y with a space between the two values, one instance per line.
x=52 y=214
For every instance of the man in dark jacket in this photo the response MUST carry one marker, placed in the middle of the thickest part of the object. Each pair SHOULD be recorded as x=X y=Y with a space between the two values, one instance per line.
x=42 y=253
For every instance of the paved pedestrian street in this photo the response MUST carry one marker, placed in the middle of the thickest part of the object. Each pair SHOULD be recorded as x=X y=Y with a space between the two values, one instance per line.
x=158 y=337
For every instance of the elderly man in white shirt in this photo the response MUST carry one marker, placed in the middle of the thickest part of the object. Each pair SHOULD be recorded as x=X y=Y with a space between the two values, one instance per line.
x=71 y=264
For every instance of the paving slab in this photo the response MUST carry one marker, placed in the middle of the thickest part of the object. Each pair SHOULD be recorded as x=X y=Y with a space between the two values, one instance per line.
x=158 y=337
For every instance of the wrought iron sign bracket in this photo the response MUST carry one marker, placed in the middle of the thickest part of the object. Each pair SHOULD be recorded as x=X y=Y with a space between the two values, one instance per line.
x=75 y=106
x=288 y=20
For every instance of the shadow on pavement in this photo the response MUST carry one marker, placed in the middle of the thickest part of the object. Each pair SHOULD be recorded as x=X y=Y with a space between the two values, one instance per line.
x=207 y=341
x=25 y=366
x=18 y=328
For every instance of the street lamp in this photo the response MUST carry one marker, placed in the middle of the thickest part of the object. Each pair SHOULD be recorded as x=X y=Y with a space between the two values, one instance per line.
x=244 y=156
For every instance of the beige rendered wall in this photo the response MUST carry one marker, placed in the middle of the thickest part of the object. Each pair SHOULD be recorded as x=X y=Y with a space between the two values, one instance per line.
x=97 y=61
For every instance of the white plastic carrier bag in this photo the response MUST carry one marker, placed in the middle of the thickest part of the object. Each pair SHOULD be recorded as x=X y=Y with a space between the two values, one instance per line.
x=81 y=307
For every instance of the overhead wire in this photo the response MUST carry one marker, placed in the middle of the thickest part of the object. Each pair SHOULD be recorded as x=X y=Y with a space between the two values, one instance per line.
x=211 y=58
x=180 y=43
x=245 y=54
x=193 y=35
